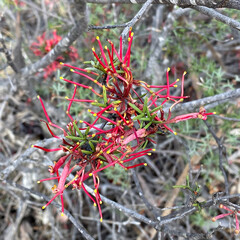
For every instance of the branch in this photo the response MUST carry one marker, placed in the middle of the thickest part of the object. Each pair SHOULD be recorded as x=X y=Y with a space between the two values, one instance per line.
x=150 y=207
x=219 y=98
x=218 y=16
x=227 y=118
x=136 y=18
x=92 y=27
x=79 y=226
x=129 y=24
x=14 y=165
x=234 y=4
x=125 y=210
x=7 y=55
x=221 y=149
x=153 y=69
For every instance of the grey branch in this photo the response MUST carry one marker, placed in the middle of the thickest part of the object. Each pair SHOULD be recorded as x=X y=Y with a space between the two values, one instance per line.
x=75 y=222
x=8 y=170
x=218 y=16
x=219 y=98
x=8 y=55
x=234 y=4
x=137 y=17
x=154 y=69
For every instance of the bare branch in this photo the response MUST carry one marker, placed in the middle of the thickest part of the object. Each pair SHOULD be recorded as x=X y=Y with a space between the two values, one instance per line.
x=150 y=207
x=78 y=225
x=92 y=27
x=218 y=16
x=221 y=148
x=8 y=55
x=234 y=4
x=136 y=18
x=219 y=98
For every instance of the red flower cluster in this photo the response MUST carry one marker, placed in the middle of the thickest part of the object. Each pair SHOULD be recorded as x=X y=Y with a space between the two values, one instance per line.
x=45 y=45
x=230 y=212
x=126 y=120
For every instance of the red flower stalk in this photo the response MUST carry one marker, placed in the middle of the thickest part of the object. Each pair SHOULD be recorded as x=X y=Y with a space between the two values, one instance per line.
x=230 y=212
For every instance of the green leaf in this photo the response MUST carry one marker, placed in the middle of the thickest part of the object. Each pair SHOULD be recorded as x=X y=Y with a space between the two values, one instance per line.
x=187 y=181
x=116 y=102
x=145 y=119
x=156 y=109
x=102 y=157
x=87 y=131
x=100 y=139
x=135 y=108
x=157 y=121
x=104 y=94
x=86 y=152
x=145 y=144
x=145 y=104
x=148 y=113
x=74 y=138
x=77 y=129
x=148 y=125
x=138 y=117
x=83 y=142
x=180 y=186
x=91 y=145
x=98 y=104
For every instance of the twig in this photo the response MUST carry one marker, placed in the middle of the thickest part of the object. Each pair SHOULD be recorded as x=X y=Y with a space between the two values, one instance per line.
x=235 y=4
x=32 y=5
x=141 y=194
x=221 y=149
x=218 y=16
x=125 y=210
x=153 y=69
x=79 y=226
x=5 y=173
x=222 y=97
x=8 y=55
x=92 y=27
x=136 y=18
x=227 y=118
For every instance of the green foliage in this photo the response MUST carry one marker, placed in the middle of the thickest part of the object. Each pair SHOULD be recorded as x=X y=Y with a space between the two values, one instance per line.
x=117 y=175
x=193 y=189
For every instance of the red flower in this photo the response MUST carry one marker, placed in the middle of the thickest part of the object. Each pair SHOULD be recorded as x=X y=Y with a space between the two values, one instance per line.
x=230 y=212
x=45 y=45
x=133 y=120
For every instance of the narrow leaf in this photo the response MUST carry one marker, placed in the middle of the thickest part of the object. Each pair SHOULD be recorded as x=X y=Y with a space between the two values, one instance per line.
x=135 y=108
x=77 y=129
x=74 y=138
